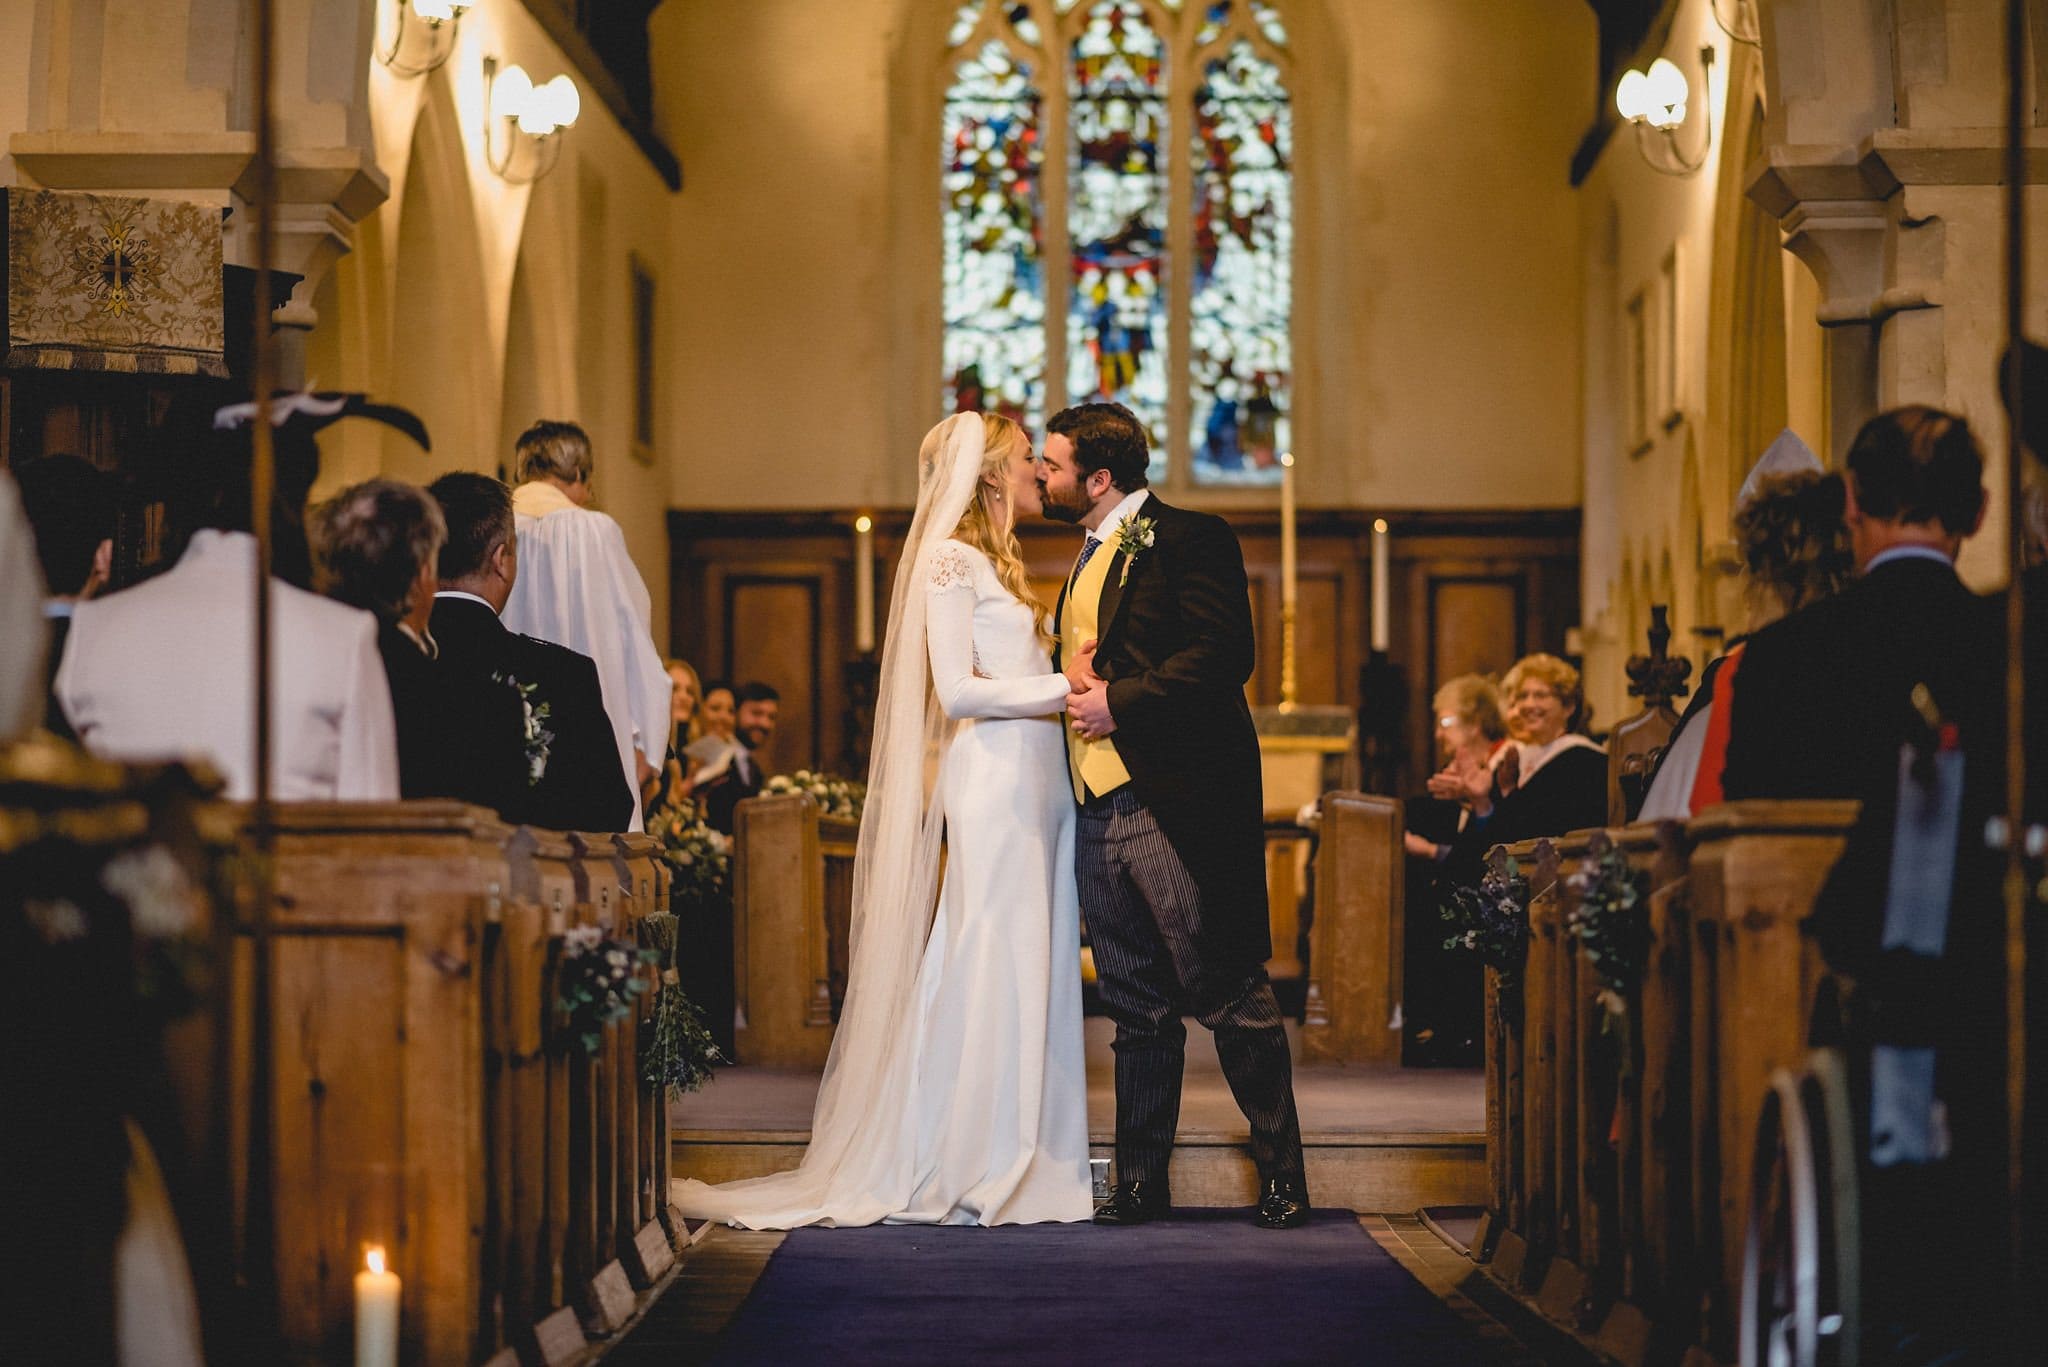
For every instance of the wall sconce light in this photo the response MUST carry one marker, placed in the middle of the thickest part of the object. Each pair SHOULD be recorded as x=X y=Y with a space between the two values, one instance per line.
x=423 y=35
x=1655 y=101
x=522 y=121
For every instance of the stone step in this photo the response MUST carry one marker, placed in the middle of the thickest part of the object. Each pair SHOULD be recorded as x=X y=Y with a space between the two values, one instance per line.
x=1393 y=1171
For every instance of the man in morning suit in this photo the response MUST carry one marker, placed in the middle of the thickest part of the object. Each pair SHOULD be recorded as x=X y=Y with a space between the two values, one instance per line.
x=376 y=548
x=1823 y=699
x=1170 y=842
x=71 y=510
x=573 y=780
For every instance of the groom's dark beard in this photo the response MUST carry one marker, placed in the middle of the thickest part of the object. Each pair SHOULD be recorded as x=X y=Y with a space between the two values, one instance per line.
x=1055 y=510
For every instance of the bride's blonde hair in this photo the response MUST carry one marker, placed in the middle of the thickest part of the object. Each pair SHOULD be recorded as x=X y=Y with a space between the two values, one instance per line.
x=988 y=523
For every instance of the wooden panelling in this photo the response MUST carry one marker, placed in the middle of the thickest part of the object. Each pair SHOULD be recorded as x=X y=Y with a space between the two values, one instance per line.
x=1469 y=591
x=772 y=633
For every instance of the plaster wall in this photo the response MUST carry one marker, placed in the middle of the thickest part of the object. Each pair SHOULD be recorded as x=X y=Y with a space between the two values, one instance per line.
x=1437 y=343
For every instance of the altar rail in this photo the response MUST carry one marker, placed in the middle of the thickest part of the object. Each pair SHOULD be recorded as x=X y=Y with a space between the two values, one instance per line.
x=421 y=1096
x=1619 y=1151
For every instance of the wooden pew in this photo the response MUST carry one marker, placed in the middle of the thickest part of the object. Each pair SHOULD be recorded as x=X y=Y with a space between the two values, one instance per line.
x=1642 y=1236
x=1356 y=941
x=788 y=933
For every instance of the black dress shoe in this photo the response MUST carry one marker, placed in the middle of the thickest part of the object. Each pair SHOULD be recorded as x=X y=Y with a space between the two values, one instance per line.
x=1282 y=1205
x=1134 y=1203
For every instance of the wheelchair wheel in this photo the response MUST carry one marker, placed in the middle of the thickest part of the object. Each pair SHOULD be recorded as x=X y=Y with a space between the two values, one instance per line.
x=1781 y=1253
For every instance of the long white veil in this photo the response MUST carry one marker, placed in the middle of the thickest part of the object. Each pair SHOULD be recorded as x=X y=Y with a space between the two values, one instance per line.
x=861 y=1164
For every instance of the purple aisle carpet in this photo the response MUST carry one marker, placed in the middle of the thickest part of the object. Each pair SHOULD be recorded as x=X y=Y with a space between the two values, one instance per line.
x=1205 y=1287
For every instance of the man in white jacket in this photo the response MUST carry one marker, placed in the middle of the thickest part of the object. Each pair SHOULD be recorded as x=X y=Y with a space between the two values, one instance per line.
x=578 y=588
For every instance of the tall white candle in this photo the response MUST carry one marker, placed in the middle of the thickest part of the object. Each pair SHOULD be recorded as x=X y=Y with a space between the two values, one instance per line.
x=377 y=1294
x=1288 y=566
x=1380 y=588
x=863 y=584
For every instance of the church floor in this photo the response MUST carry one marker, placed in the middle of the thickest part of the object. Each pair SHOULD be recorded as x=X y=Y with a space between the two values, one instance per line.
x=1377 y=1138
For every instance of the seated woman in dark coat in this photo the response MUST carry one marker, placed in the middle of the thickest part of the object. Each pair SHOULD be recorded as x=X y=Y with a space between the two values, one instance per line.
x=1558 y=781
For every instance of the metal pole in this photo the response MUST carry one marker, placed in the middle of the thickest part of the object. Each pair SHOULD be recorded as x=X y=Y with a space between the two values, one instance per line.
x=2024 y=1316
x=260 y=1262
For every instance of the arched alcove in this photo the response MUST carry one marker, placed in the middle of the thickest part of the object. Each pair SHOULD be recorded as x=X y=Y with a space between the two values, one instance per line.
x=441 y=366
x=539 y=379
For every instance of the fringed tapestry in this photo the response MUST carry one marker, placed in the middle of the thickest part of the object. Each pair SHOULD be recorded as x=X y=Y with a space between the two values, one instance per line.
x=102 y=282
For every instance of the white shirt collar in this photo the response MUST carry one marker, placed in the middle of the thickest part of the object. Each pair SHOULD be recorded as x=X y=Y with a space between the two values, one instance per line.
x=1133 y=501
x=468 y=597
x=1907 y=553
x=58 y=607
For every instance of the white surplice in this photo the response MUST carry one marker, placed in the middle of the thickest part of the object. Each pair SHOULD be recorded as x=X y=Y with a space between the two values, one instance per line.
x=166 y=670
x=992 y=1125
x=578 y=588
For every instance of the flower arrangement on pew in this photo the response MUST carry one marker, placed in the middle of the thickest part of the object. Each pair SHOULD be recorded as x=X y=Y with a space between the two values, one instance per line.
x=1608 y=921
x=601 y=978
x=835 y=796
x=1492 y=920
x=698 y=857
x=676 y=1049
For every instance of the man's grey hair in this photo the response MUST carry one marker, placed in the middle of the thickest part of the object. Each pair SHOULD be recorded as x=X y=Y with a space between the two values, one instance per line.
x=554 y=450
x=370 y=541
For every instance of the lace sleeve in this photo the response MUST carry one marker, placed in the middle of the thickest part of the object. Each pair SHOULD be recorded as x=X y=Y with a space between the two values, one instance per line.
x=950 y=567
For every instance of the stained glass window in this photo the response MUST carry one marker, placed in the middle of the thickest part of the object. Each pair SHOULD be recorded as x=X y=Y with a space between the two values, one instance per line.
x=1116 y=215
x=1243 y=277
x=1102 y=289
x=994 y=278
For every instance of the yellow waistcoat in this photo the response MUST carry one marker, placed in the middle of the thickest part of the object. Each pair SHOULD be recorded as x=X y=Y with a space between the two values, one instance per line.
x=1094 y=764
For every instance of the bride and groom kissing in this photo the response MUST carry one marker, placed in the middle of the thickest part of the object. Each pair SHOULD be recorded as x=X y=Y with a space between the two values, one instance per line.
x=1100 y=760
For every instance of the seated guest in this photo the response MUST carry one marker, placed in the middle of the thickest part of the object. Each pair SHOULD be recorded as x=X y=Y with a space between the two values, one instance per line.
x=573 y=779
x=1559 y=779
x=1795 y=550
x=677 y=775
x=71 y=509
x=376 y=548
x=166 y=669
x=1443 y=991
x=1820 y=702
x=754 y=717
x=715 y=712
x=579 y=588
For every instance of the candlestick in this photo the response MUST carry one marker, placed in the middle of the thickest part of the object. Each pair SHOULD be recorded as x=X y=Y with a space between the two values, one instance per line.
x=1380 y=588
x=1288 y=566
x=377 y=1293
x=863 y=584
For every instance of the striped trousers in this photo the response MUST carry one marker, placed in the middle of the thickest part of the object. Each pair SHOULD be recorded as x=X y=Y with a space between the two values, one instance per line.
x=1144 y=914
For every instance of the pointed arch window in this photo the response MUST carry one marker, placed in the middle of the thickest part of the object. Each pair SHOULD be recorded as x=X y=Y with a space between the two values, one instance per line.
x=1117 y=206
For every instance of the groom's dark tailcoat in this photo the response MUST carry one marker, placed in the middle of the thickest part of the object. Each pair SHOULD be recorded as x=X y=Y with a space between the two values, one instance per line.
x=1176 y=649
x=582 y=788
x=1172 y=865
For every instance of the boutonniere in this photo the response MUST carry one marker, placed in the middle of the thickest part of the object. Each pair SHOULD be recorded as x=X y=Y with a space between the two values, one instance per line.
x=1133 y=534
x=539 y=740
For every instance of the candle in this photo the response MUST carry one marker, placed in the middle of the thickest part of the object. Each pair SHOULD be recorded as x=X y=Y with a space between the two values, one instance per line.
x=1288 y=567
x=1380 y=630
x=863 y=584
x=376 y=1312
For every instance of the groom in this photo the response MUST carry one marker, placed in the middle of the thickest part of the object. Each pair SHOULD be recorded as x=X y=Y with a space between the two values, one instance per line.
x=1171 y=857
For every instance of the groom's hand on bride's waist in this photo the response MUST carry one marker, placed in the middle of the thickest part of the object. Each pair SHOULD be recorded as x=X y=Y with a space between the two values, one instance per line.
x=1088 y=712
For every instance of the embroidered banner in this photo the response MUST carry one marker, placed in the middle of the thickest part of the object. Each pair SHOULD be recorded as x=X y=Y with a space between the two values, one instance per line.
x=100 y=282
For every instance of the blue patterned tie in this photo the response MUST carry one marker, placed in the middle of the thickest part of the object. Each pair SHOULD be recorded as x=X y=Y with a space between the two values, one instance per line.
x=1087 y=549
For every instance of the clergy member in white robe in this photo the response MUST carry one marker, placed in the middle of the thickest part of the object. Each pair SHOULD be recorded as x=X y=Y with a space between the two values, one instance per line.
x=165 y=670
x=578 y=587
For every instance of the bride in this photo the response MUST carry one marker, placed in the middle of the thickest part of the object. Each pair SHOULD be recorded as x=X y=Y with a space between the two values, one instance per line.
x=955 y=1092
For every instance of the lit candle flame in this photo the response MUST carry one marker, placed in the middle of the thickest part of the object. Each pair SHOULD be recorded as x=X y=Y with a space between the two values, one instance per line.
x=373 y=1258
x=1379 y=525
x=863 y=523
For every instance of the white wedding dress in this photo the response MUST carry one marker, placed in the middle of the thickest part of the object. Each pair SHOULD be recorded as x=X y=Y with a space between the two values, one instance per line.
x=982 y=1112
